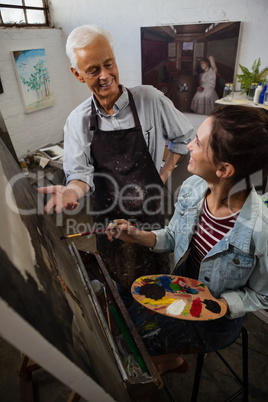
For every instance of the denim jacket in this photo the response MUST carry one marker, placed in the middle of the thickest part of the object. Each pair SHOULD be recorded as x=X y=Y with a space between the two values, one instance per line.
x=236 y=268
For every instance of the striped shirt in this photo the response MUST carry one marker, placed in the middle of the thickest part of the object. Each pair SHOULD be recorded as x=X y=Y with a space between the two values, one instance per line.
x=209 y=231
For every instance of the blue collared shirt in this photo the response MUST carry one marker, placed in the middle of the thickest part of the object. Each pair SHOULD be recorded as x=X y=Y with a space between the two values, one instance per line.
x=161 y=122
x=236 y=268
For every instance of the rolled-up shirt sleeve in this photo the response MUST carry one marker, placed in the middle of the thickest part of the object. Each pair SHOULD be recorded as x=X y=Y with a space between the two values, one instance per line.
x=162 y=122
x=177 y=129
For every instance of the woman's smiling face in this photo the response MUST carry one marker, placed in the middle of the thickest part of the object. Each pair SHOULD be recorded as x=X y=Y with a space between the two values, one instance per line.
x=201 y=156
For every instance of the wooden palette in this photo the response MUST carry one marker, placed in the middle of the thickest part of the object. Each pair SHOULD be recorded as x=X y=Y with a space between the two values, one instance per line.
x=177 y=297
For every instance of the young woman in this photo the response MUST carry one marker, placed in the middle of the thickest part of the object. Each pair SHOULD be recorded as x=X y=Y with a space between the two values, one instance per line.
x=222 y=223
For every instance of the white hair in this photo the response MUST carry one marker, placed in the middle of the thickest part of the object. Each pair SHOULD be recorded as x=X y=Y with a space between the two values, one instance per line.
x=81 y=37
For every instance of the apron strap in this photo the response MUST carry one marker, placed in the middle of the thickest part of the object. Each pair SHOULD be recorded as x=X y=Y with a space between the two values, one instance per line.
x=93 y=117
x=133 y=108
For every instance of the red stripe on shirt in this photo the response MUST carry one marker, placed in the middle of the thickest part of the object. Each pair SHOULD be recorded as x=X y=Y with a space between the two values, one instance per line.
x=209 y=231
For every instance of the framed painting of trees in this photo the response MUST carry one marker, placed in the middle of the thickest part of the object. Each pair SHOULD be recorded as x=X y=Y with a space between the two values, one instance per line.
x=33 y=79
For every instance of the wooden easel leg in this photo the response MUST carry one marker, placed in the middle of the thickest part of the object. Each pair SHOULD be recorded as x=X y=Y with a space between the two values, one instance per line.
x=74 y=397
x=26 y=382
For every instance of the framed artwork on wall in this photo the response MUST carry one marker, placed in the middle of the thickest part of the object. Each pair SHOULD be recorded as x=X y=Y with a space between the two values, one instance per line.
x=33 y=79
x=172 y=59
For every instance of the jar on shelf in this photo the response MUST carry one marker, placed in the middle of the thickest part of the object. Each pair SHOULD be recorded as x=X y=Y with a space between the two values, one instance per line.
x=265 y=98
x=228 y=92
x=251 y=91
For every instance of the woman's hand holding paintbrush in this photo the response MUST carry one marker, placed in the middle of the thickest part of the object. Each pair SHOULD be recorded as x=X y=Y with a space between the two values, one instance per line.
x=124 y=230
x=111 y=227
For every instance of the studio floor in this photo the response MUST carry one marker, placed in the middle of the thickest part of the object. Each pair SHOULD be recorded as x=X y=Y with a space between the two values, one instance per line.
x=217 y=384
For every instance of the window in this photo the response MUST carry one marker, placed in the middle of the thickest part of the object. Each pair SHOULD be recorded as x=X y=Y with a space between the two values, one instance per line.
x=21 y=13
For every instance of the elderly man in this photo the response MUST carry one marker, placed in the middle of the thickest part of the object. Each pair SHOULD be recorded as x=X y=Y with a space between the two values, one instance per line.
x=113 y=147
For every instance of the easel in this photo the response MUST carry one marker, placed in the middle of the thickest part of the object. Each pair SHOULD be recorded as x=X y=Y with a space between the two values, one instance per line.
x=25 y=370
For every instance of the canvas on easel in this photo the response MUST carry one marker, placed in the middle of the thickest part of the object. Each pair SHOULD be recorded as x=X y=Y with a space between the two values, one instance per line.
x=45 y=311
x=48 y=308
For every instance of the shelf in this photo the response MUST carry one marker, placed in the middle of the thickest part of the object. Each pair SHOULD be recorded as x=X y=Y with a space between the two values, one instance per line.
x=239 y=99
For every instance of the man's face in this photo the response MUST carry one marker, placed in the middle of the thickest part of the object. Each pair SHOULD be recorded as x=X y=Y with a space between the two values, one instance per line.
x=98 y=69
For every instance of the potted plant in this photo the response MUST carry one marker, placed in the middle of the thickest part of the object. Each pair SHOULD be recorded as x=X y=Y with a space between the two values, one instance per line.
x=248 y=77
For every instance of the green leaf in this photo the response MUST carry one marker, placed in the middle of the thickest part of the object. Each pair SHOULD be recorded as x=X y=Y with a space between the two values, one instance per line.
x=248 y=77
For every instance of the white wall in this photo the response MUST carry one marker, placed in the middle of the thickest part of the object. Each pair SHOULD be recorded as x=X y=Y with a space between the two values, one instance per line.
x=30 y=131
x=124 y=18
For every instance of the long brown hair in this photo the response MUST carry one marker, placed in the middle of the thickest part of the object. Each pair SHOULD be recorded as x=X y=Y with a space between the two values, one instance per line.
x=240 y=136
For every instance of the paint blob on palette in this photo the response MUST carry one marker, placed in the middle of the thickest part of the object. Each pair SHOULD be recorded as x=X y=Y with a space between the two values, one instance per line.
x=177 y=297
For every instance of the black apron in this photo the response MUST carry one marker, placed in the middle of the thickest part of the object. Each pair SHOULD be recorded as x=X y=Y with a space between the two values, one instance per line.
x=127 y=185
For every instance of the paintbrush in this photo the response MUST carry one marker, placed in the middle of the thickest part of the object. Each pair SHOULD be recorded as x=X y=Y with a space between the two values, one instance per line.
x=85 y=233
x=91 y=232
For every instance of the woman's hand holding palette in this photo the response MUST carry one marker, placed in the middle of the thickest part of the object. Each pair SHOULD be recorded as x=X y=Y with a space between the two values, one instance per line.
x=177 y=297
